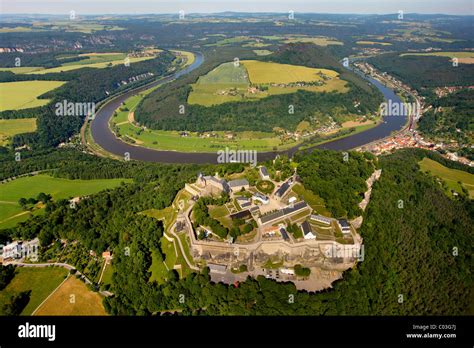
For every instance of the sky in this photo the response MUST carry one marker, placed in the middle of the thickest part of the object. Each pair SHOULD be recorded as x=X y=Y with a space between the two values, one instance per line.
x=462 y=7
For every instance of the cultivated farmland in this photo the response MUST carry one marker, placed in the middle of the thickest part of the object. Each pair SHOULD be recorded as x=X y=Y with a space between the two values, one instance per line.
x=251 y=80
x=24 y=94
x=9 y=128
x=72 y=298
x=93 y=61
x=264 y=72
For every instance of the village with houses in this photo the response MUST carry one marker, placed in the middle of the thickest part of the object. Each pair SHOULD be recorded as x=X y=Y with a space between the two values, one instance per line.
x=409 y=136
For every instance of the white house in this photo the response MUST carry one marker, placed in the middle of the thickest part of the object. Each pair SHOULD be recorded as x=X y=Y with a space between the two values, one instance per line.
x=322 y=219
x=307 y=231
x=262 y=198
x=288 y=271
x=12 y=251
x=264 y=173
x=344 y=226
x=19 y=250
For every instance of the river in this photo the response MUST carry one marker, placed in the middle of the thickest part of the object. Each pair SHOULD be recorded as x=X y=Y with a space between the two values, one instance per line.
x=106 y=139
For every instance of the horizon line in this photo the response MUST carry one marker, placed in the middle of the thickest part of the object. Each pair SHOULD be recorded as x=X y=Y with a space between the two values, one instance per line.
x=235 y=12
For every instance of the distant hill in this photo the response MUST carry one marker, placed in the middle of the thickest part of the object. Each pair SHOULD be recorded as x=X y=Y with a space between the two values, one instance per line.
x=425 y=72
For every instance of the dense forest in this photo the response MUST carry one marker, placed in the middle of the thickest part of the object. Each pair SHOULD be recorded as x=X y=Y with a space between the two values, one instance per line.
x=160 y=110
x=340 y=182
x=410 y=266
x=424 y=72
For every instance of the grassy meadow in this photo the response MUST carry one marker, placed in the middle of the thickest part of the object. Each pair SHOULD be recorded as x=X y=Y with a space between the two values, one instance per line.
x=41 y=282
x=455 y=179
x=30 y=186
x=172 y=140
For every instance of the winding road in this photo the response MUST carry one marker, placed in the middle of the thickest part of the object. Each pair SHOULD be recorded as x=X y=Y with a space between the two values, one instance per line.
x=106 y=139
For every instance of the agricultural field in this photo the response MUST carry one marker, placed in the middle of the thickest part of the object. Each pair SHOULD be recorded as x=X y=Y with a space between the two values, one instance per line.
x=11 y=127
x=19 y=29
x=233 y=40
x=94 y=58
x=423 y=35
x=84 y=302
x=40 y=281
x=22 y=70
x=320 y=41
x=265 y=72
x=24 y=94
x=262 y=52
x=98 y=61
x=455 y=179
x=91 y=60
x=463 y=57
x=256 y=44
x=252 y=80
x=371 y=43
x=58 y=188
x=227 y=82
